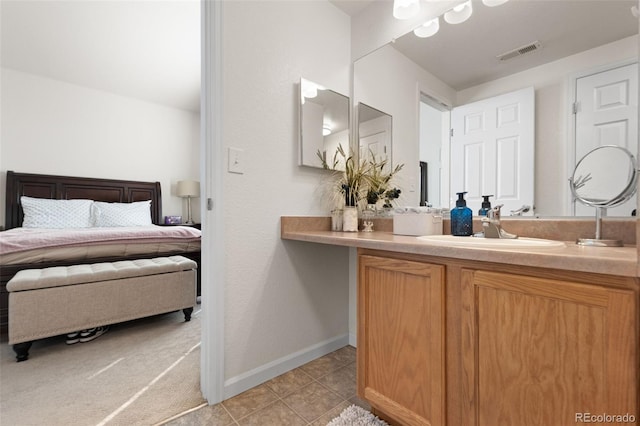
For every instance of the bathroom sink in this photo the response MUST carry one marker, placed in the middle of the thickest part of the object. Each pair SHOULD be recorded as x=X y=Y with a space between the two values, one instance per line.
x=520 y=243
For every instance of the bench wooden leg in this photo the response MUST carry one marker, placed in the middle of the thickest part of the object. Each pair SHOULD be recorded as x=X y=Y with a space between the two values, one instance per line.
x=187 y=314
x=22 y=351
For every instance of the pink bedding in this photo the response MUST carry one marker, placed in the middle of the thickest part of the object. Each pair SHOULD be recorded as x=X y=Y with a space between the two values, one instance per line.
x=24 y=239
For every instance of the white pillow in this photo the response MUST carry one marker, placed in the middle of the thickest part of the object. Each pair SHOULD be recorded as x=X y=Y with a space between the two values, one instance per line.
x=122 y=214
x=47 y=213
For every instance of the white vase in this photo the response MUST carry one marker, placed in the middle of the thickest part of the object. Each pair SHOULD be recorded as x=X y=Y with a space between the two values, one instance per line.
x=350 y=219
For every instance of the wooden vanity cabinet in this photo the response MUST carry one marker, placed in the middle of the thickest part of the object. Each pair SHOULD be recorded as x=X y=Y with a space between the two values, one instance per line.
x=487 y=345
x=401 y=339
x=544 y=352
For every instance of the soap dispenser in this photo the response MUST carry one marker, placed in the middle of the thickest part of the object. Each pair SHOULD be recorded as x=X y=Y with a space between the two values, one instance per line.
x=486 y=205
x=461 y=217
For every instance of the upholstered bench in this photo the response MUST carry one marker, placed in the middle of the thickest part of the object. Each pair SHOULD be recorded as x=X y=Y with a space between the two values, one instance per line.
x=52 y=301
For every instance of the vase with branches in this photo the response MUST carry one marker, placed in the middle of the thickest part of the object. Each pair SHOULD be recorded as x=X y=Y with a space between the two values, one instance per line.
x=362 y=181
x=350 y=183
x=379 y=182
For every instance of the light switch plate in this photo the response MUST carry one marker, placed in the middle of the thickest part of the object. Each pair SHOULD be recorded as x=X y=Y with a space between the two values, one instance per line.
x=236 y=161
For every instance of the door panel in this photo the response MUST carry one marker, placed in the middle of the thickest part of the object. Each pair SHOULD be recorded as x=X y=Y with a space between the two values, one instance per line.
x=507 y=177
x=401 y=339
x=607 y=114
x=492 y=150
x=474 y=168
x=545 y=350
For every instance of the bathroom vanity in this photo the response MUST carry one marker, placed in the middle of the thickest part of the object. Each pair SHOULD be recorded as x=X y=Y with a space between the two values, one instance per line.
x=481 y=336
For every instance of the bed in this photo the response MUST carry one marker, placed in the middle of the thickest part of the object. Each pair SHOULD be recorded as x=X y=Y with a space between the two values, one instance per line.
x=29 y=248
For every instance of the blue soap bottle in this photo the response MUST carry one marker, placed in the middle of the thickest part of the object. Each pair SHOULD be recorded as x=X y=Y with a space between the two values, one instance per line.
x=461 y=218
x=486 y=205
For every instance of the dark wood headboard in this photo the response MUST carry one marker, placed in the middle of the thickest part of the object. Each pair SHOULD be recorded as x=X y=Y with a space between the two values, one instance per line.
x=67 y=187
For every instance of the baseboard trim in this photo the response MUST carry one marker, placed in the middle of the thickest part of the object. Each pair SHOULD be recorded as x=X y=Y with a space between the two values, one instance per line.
x=353 y=341
x=245 y=381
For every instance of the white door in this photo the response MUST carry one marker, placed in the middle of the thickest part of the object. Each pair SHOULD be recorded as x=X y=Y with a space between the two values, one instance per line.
x=606 y=113
x=373 y=145
x=492 y=151
x=375 y=139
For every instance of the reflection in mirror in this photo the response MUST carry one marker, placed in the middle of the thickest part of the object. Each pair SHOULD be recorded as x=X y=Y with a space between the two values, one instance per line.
x=604 y=178
x=374 y=134
x=459 y=65
x=324 y=124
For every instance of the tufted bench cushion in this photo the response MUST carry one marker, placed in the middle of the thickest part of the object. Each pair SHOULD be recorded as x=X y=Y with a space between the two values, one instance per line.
x=31 y=279
x=58 y=300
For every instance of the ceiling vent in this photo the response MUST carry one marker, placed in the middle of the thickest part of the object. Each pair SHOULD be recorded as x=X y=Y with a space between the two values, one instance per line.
x=519 y=51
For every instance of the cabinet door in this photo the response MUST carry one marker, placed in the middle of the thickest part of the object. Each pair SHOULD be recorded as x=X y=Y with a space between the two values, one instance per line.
x=546 y=352
x=401 y=339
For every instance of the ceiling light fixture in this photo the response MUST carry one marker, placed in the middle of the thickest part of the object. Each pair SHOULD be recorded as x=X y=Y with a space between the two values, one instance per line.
x=459 y=14
x=492 y=3
x=309 y=89
x=428 y=29
x=456 y=15
x=405 y=9
x=326 y=129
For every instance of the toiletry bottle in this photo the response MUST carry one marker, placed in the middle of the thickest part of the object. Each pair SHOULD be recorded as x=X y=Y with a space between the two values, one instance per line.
x=486 y=205
x=461 y=217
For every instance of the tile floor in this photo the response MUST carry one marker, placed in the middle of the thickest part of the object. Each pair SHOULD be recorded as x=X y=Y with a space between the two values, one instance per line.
x=309 y=395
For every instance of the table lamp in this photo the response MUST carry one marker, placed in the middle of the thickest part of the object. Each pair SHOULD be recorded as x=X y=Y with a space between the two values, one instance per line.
x=187 y=189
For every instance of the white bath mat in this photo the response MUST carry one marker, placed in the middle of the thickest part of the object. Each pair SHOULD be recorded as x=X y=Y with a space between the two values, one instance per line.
x=356 y=416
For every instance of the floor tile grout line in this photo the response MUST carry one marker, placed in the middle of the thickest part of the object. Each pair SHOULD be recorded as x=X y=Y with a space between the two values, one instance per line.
x=255 y=411
x=323 y=386
x=281 y=398
x=228 y=412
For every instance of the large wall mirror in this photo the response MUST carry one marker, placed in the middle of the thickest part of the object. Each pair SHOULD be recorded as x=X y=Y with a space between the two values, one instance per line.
x=374 y=134
x=324 y=124
x=551 y=46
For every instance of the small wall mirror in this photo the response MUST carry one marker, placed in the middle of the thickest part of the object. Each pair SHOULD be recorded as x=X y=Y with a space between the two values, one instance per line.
x=605 y=177
x=374 y=133
x=324 y=123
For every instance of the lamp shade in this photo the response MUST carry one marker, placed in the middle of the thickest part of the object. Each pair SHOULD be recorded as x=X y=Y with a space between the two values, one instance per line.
x=428 y=29
x=459 y=14
x=188 y=188
x=405 y=9
x=492 y=3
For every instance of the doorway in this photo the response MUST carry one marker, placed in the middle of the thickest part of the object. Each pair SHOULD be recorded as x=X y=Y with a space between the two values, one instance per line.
x=434 y=125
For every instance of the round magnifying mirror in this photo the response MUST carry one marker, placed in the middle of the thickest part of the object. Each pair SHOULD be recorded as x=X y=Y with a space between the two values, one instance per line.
x=605 y=177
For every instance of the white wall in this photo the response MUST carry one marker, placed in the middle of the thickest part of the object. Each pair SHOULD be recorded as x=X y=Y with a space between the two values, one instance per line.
x=283 y=299
x=52 y=127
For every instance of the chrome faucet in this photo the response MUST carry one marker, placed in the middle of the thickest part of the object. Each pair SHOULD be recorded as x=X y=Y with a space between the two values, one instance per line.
x=492 y=227
x=524 y=209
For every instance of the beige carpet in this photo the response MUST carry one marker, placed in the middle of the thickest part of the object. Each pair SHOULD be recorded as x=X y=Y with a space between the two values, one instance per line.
x=139 y=373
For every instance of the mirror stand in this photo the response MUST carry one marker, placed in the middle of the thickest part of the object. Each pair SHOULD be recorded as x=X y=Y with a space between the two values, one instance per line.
x=605 y=177
x=598 y=241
